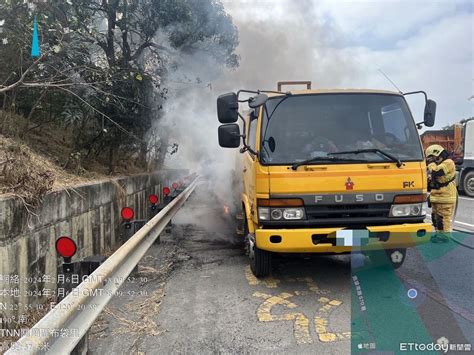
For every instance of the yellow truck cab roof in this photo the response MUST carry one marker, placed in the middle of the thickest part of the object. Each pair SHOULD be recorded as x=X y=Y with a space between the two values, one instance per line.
x=336 y=91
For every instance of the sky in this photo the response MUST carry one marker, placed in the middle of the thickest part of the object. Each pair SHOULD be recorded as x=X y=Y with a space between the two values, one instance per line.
x=420 y=45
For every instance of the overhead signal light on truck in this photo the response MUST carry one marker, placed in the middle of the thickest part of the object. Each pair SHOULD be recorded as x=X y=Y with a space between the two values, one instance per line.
x=127 y=213
x=66 y=247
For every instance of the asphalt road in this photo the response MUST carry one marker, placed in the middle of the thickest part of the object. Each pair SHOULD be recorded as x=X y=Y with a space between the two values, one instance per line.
x=194 y=293
x=464 y=219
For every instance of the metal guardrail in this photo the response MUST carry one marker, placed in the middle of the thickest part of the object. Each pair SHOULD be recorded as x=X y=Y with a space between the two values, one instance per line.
x=78 y=310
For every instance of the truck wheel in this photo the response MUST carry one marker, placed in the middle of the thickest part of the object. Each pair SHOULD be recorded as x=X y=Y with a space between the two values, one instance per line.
x=468 y=183
x=260 y=262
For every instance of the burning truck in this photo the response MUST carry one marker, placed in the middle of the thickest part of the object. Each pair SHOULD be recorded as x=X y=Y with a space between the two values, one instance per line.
x=327 y=171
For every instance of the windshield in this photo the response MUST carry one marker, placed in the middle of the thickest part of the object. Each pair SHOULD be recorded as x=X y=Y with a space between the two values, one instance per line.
x=309 y=126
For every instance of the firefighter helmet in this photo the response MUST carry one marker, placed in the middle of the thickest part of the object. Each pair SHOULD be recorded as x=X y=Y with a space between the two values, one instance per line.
x=434 y=150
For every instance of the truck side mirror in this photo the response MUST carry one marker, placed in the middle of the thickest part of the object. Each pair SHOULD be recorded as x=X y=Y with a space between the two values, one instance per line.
x=253 y=115
x=258 y=100
x=227 y=108
x=229 y=135
x=430 y=113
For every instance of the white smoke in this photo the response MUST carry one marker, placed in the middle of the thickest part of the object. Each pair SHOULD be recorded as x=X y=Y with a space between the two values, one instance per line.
x=298 y=47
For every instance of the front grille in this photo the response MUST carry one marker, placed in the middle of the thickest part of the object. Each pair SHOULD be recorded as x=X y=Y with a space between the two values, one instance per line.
x=347 y=211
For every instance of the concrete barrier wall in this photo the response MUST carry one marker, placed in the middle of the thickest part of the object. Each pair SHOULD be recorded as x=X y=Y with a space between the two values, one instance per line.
x=89 y=214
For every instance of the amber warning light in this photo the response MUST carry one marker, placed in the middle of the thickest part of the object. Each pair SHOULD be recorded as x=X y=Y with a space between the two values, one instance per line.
x=66 y=247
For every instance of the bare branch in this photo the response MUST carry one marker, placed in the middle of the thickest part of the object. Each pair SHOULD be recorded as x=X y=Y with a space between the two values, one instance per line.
x=102 y=114
x=4 y=89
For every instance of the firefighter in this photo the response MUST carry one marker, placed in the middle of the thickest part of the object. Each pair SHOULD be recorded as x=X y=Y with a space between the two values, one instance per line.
x=443 y=196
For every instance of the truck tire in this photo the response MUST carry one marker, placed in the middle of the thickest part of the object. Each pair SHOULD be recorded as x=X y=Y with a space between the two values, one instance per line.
x=468 y=183
x=261 y=262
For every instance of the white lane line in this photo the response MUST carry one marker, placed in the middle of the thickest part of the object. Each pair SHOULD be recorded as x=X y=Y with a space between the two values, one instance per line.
x=464 y=224
x=457 y=223
x=428 y=216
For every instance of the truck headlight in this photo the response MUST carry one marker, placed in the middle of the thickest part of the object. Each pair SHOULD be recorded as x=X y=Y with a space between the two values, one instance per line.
x=293 y=213
x=280 y=209
x=278 y=214
x=287 y=214
x=407 y=210
x=264 y=213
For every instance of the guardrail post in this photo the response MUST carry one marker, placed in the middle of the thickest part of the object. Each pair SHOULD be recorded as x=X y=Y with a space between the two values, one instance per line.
x=86 y=267
x=82 y=347
x=168 y=199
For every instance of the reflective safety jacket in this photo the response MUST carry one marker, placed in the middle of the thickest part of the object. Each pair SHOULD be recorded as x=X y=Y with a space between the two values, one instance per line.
x=444 y=175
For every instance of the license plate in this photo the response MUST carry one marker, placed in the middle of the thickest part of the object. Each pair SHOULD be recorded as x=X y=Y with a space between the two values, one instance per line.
x=352 y=238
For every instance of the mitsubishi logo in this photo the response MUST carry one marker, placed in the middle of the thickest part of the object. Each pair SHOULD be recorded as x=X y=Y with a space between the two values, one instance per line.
x=349 y=184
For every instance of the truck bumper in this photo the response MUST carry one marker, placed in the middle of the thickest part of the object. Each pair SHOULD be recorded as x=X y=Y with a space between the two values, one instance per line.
x=323 y=240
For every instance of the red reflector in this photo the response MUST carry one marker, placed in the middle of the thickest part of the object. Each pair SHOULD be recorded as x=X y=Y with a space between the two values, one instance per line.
x=127 y=213
x=175 y=185
x=410 y=198
x=66 y=247
x=166 y=191
x=153 y=199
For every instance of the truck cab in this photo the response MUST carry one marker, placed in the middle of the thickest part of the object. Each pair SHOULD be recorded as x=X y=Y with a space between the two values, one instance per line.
x=328 y=171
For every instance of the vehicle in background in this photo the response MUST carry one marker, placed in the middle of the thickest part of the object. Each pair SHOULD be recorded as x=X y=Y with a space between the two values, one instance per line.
x=459 y=143
x=328 y=171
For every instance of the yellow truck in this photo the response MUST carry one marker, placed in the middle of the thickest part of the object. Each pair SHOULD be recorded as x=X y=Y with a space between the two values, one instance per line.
x=328 y=171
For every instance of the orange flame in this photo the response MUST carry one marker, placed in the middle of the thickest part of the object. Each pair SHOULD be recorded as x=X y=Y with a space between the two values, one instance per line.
x=226 y=209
